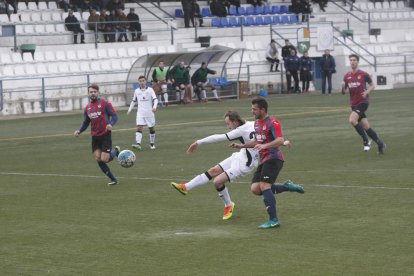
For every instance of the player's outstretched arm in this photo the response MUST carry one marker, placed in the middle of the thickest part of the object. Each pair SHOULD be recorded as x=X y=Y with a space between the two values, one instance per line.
x=193 y=147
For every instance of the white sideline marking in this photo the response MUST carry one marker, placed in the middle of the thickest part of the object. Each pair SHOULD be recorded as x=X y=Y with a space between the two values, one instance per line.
x=168 y=180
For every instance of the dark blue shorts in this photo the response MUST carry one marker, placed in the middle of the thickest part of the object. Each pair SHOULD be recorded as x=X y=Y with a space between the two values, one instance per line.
x=268 y=171
x=104 y=142
x=360 y=110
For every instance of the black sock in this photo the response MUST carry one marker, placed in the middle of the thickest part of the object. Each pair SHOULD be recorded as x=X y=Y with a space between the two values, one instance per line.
x=373 y=135
x=105 y=169
x=277 y=189
x=361 y=132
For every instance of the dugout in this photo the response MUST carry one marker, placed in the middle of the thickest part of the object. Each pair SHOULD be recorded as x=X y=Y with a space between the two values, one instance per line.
x=216 y=57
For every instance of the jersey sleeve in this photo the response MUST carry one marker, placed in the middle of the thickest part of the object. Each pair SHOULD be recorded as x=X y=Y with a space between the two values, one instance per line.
x=212 y=139
x=110 y=110
x=86 y=121
x=234 y=134
x=368 y=79
x=154 y=99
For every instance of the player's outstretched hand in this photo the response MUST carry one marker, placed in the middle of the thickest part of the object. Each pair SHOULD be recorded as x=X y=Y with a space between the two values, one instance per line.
x=287 y=144
x=192 y=148
x=76 y=133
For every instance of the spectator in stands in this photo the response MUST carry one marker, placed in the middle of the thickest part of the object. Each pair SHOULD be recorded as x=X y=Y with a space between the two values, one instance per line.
x=102 y=25
x=217 y=8
x=178 y=76
x=228 y=4
x=188 y=96
x=292 y=66
x=327 y=69
x=110 y=26
x=134 y=25
x=287 y=48
x=95 y=4
x=80 y=5
x=306 y=10
x=160 y=83
x=200 y=81
x=305 y=71
x=114 y=5
x=196 y=13
x=13 y=4
x=272 y=55
x=72 y=24
x=63 y=4
x=93 y=23
x=187 y=6
x=296 y=8
x=322 y=4
x=122 y=26
x=255 y=3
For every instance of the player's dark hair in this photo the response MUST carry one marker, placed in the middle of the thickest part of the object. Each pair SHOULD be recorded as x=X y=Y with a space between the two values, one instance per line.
x=93 y=86
x=142 y=77
x=355 y=56
x=260 y=102
x=234 y=116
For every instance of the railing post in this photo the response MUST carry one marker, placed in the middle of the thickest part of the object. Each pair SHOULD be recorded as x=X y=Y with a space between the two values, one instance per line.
x=172 y=35
x=43 y=96
x=369 y=22
x=1 y=95
x=15 y=38
x=405 y=69
x=96 y=35
x=241 y=32
x=195 y=32
x=88 y=80
x=347 y=24
x=248 y=79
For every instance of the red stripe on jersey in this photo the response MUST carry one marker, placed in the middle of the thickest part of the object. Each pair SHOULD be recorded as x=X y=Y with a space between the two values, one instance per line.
x=356 y=83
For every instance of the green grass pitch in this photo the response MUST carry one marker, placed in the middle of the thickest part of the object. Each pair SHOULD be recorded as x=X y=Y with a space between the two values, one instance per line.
x=58 y=217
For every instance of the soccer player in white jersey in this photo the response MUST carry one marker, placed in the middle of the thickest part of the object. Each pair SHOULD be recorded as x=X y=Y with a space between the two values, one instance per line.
x=239 y=164
x=147 y=102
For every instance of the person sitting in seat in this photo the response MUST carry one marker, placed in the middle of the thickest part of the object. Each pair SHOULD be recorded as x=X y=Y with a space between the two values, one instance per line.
x=72 y=24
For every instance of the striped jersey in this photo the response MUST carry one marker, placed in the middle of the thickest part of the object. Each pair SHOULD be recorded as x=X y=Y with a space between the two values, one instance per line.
x=98 y=114
x=267 y=130
x=357 y=84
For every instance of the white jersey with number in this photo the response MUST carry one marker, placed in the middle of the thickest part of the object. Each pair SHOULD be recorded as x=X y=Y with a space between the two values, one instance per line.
x=147 y=100
x=242 y=162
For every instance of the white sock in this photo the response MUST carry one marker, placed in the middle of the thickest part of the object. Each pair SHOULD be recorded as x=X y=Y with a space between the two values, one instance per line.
x=182 y=94
x=199 y=180
x=138 y=137
x=152 y=138
x=165 y=97
x=204 y=95
x=225 y=196
x=215 y=93
x=178 y=96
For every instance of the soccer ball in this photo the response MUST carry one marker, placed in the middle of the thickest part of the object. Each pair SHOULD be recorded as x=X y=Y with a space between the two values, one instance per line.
x=126 y=158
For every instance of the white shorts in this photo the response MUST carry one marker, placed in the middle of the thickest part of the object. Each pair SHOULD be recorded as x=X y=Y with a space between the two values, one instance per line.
x=148 y=121
x=235 y=165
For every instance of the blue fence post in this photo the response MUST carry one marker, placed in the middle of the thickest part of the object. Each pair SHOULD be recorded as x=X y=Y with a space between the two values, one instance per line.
x=1 y=95
x=43 y=96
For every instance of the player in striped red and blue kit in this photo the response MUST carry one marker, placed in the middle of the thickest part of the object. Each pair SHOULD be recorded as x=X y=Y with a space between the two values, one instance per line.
x=356 y=81
x=269 y=138
x=101 y=115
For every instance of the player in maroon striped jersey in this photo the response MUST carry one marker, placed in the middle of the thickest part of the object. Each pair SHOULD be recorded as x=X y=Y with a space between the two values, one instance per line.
x=101 y=115
x=360 y=85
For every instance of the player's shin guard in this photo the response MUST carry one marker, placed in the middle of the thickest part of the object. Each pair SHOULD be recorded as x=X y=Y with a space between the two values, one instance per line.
x=223 y=192
x=105 y=169
x=199 y=180
x=204 y=94
x=152 y=137
x=277 y=189
x=165 y=98
x=178 y=96
x=138 y=137
x=373 y=135
x=270 y=203
x=360 y=130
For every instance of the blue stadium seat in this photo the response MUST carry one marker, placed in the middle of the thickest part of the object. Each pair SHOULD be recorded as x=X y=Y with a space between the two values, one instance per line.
x=258 y=10
x=276 y=19
x=259 y=20
x=293 y=19
x=249 y=21
x=267 y=10
x=214 y=81
x=233 y=22
x=224 y=23
x=283 y=9
x=205 y=12
x=267 y=20
x=250 y=10
x=233 y=11
x=241 y=11
x=275 y=9
x=215 y=22
x=241 y=21
x=224 y=82
x=284 y=19
x=179 y=13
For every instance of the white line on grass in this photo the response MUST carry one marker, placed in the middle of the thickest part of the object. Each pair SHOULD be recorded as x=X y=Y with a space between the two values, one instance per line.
x=168 y=180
